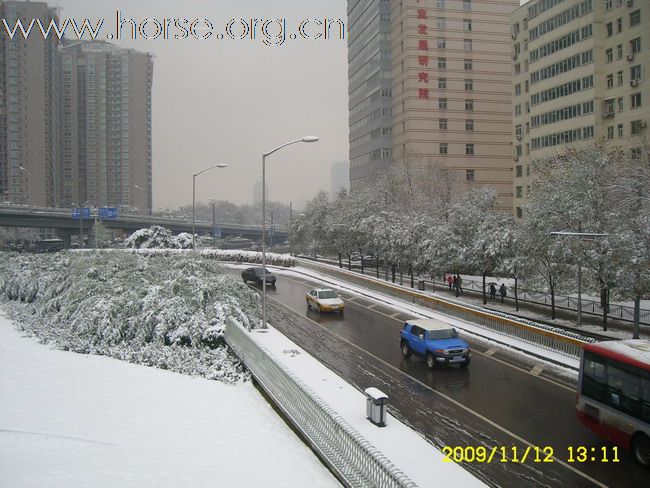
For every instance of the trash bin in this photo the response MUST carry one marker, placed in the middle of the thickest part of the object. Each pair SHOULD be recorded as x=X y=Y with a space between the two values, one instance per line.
x=421 y=285
x=376 y=406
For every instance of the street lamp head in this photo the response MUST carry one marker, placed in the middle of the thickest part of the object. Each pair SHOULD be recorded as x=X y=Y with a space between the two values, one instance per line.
x=310 y=139
x=222 y=165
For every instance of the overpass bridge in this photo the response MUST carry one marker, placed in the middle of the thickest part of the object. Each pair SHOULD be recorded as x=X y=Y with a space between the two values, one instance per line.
x=61 y=220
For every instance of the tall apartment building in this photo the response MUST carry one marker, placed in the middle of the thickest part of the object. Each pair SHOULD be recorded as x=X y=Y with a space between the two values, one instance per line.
x=448 y=89
x=580 y=75
x=370 y=87
x=106 y=153
x=29 y=117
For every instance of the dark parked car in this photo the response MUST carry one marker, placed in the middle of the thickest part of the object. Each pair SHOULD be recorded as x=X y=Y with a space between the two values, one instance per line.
x=255 y=274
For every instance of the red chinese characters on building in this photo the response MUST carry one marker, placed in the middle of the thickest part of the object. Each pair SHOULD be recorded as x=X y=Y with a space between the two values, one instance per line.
x=423 y=47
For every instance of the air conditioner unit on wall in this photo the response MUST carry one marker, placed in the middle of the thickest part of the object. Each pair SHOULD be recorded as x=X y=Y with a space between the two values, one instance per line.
x=630 y=3
x=609 y=115
x=630 y=57
x=642 y=124
x=634 y=82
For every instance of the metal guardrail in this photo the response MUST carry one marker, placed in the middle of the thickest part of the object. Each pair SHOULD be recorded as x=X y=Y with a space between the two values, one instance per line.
x=554 y=339
x=354 y=460
x=562 y=302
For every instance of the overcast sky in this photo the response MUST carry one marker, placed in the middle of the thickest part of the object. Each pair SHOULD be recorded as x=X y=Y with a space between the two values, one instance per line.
x=231 y=100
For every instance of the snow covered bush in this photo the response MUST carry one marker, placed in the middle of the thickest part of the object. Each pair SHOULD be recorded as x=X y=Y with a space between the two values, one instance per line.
x=227 y=255
x=158 y=237
x=167 y=311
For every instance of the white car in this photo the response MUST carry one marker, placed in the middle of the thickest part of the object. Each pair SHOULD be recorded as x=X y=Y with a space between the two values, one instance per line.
x=324 y=300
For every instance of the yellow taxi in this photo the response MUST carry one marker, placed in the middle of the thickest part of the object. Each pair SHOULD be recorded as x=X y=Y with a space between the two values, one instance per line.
x=324 y=300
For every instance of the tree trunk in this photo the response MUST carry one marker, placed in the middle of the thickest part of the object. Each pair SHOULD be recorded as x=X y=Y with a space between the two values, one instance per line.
x=349 y=262
x=516 y=296
x=392 y=271
x=401 y=275
x=552 y=303
x=411 y=273
x=377 y=265
x=605 y=295
x=340 y=262
x=484 y=296
x=637 y=307
x=360 y=254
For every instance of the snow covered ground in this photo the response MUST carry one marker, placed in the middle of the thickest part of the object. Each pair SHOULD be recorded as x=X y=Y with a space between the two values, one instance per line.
x=75 y=420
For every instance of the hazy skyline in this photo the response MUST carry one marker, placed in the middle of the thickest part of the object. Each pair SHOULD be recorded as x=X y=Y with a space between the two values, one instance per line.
x=230 y=100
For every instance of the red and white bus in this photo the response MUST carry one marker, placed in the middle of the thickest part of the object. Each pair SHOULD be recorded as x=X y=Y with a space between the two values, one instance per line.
x=614 y=393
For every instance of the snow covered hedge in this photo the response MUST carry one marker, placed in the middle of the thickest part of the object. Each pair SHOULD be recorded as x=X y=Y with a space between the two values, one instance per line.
x=168 y=312
x=231 y=256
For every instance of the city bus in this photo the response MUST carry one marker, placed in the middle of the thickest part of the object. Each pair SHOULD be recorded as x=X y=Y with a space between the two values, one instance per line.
x=614 y=394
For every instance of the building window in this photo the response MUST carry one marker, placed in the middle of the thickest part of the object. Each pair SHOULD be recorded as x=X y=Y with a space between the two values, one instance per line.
x=443 y=148
x=610 y=132
x=636 y=126
x=620 y=130
x=442 y=124
x=468 y=65
x=517 y=108
x=442 y=63
x=469 y=85
x=441 y=43
x=610 y=29
x=619 y=78
x=619 y=104
x=469 y=149
x=636 y=153
x=469 y=174
x=636 y=100
x=442 y=103
x=609 y=4
x=610 y=81
x=519 y=171
x=609 y=53
x=517 y=68
x=469 y=105
x=635 y=18
x=518 y=89
x=519 y=192
x=619 y=51
x=635 y=72
x=467 y=25
x=440 y=4
x=635 y=45
x=619 y=25
x=441 y=23
x=467 y=5
x=442 y=83
x=520 y=212
x=469 y=124
x=467 y=43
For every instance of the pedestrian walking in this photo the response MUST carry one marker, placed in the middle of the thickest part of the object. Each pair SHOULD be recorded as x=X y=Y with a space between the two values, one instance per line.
x=450 y=280
x=493 y=291
x=459 y=285
x=502 y=291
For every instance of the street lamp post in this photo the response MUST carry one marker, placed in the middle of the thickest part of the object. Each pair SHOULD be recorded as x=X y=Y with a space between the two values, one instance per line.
x=586 y=236
x=218 y=165
x=264 y=156
x=25 y=194
x=81 y=224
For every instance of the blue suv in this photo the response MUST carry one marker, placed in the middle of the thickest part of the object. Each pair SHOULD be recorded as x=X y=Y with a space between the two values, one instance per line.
x=435 y=341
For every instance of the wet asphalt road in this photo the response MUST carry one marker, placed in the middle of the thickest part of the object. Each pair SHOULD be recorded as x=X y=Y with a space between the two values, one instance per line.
x=503 y=402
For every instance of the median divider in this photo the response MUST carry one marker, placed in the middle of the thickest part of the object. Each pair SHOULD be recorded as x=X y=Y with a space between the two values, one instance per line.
x=554 y=339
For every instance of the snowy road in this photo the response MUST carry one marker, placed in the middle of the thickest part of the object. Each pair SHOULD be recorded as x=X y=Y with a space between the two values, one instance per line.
x=503 y=400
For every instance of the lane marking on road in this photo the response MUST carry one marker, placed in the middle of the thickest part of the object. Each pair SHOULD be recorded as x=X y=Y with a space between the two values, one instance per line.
x=474 y=351
x=537 y=369
x=372 y=306
x=490 y=352
x=443 y=395
x=395 y=315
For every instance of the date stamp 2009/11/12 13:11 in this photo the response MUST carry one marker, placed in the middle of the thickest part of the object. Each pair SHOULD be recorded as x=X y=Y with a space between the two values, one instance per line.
x=534 y=454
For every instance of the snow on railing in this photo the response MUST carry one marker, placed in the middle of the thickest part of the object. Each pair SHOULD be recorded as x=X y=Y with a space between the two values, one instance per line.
x=355 y=461
x=227 y=255
x=551 y=338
